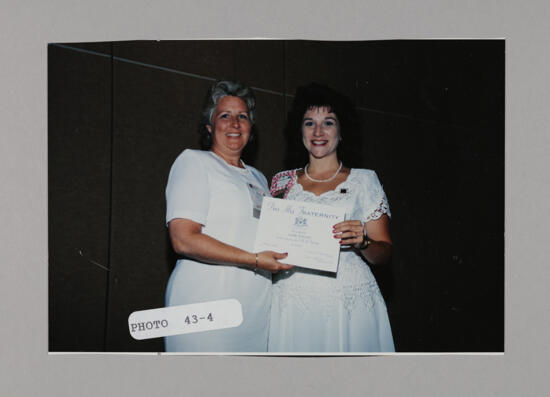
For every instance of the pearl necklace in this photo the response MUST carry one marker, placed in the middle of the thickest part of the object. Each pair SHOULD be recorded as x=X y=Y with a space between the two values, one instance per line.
x=322 y=180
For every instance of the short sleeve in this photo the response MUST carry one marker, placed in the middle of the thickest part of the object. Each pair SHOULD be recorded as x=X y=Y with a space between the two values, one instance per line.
x=375 y=202
x=260 y=177
x=187 y=190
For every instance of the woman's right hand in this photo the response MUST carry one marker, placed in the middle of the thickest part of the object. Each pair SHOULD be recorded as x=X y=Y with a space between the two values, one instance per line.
x=269 y=260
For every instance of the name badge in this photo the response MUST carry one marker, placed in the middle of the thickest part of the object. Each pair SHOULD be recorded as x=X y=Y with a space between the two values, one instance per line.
x=257 y=196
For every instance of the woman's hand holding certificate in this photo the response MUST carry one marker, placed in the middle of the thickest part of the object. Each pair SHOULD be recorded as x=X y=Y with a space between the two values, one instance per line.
x=302 y=229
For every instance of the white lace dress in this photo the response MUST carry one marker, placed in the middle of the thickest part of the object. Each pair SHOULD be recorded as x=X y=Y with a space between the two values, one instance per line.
x=315 y=311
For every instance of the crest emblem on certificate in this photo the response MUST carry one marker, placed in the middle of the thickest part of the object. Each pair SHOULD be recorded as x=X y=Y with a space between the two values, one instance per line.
x=300 y=221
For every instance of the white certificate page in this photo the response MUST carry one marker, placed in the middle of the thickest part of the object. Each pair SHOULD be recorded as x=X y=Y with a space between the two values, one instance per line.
x=304 y=230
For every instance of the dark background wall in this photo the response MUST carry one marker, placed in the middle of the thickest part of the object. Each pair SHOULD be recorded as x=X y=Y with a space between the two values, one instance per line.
x=432 y=115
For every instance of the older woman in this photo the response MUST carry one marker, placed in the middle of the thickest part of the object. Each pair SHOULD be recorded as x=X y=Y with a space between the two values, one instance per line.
x=213 y=201
x=315 y=311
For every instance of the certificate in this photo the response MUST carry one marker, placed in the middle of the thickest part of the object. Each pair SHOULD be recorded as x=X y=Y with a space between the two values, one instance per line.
x=302 y=229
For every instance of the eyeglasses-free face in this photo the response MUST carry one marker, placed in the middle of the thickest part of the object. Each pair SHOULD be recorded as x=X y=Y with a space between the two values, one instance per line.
x=230 y=126
x=320 y=132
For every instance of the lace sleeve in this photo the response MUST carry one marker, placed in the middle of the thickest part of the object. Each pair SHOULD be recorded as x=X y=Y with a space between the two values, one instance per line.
x=375 y=200
x=281 y=183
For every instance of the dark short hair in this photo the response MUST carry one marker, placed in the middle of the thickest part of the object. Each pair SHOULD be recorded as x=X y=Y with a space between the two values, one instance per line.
x=220 y=89
x=315 y=95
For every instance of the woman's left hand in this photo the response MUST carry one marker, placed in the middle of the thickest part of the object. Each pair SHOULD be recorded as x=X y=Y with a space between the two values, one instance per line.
x=349 y=232
x=378 y=232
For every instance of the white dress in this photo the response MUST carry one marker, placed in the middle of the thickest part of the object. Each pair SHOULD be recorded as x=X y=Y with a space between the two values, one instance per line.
x=205 y=189
x=314 y=311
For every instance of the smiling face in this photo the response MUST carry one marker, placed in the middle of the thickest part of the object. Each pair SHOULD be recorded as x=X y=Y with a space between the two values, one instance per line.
x=320 y=132
x=230 y=126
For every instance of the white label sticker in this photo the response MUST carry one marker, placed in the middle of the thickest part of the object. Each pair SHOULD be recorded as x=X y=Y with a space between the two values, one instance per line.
x=185 y=319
